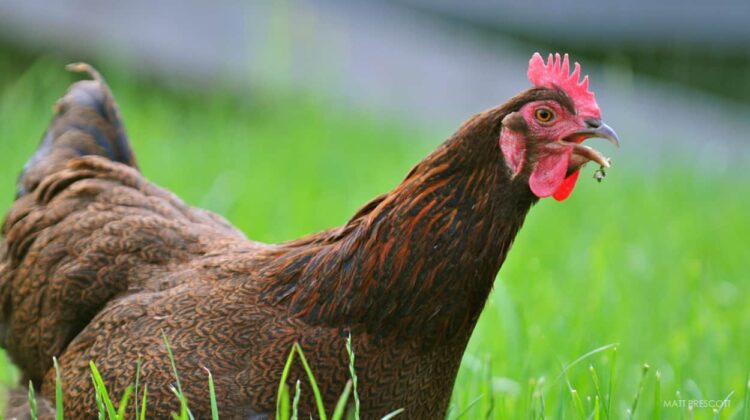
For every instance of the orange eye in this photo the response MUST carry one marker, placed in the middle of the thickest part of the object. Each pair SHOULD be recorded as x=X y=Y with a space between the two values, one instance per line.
x=544 y=115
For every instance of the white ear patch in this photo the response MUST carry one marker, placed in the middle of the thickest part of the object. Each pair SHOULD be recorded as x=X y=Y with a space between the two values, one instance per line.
x=513 y=146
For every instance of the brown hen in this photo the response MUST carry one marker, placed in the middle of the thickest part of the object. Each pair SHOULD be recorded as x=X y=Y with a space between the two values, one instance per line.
x=96 y=262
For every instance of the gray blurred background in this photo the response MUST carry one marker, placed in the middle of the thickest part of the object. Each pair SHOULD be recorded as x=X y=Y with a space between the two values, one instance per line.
x=667 y=73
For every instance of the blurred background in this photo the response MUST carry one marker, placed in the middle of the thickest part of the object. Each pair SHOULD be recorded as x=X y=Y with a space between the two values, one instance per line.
x=285 y=116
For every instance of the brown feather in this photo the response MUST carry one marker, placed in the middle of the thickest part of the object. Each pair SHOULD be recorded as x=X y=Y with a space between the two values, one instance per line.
x=96 y=262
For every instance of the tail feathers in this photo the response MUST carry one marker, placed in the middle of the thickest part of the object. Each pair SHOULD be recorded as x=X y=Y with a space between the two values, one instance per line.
x=86 y=122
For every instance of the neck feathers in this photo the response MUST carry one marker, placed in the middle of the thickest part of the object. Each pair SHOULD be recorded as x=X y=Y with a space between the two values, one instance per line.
x=420 y=260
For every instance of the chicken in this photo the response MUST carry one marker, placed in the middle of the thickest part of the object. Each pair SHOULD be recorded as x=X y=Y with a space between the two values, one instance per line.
x=96 y=262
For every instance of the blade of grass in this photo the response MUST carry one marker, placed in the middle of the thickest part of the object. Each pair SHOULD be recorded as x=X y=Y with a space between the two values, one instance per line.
x=212 y=396
x=724 y=404
x=183 y=415
x=313 y=383
x=340 y=410
x=542 y=409
x=471 y=404
x=657 y=396
x=392 y=414
x=611 y=388
x=184 y=409
x=449 y=413
x=32 y=402
x=745 y=407
x=595 y=379
x=540 y=392
x=58 y=391
x=102 y=411
x=597 y=413
x=143 y=402
x=282 y=396
x=124 y=402
x=101 y=389
x=577 y=403
x=353 y=373
x=528 y=401
x=283 y=411
x=137 y=383
x=565 y=368
x=295 y=401
x=634 y=406
x=561 y=401
x=171 y=361
x=488 y=385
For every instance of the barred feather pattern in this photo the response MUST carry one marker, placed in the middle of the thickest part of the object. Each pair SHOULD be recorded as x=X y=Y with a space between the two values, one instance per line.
x=96 y=262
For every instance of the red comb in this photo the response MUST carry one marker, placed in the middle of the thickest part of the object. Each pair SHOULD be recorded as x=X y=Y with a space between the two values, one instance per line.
x=555 y=75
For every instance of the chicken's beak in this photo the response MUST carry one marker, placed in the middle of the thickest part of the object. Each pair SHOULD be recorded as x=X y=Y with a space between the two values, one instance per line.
x=594 y=128
x=601 y=130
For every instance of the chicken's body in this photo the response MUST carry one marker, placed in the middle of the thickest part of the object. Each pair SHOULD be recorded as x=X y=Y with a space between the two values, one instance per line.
x=96 y=262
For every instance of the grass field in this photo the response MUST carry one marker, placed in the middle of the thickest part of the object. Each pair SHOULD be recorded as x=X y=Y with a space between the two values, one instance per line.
x=649 y=266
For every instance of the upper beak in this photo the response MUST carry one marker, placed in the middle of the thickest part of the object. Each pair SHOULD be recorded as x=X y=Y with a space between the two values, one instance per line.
x=594 y=128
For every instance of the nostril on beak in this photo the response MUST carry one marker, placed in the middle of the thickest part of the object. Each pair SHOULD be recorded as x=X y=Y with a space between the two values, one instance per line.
x=593 y=123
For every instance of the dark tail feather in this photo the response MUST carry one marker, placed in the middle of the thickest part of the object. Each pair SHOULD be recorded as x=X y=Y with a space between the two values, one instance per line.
x=86 y=122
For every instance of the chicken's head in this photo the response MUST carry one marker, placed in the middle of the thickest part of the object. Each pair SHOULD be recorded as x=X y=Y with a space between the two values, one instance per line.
x=542 y=140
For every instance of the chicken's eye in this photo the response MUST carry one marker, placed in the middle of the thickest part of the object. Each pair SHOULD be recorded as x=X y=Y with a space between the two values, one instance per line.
x=544 y=115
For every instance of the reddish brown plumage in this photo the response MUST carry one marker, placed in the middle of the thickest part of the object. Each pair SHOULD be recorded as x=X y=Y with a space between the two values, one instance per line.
x=96 y=261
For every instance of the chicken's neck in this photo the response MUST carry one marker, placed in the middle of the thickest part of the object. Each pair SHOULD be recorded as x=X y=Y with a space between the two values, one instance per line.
x=419 y=261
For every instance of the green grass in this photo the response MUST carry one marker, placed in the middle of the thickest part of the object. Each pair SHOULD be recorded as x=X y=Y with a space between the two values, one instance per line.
x=653 y=260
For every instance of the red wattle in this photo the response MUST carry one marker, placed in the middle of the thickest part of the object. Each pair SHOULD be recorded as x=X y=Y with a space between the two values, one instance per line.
x=564 y=190
x=549 y=173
